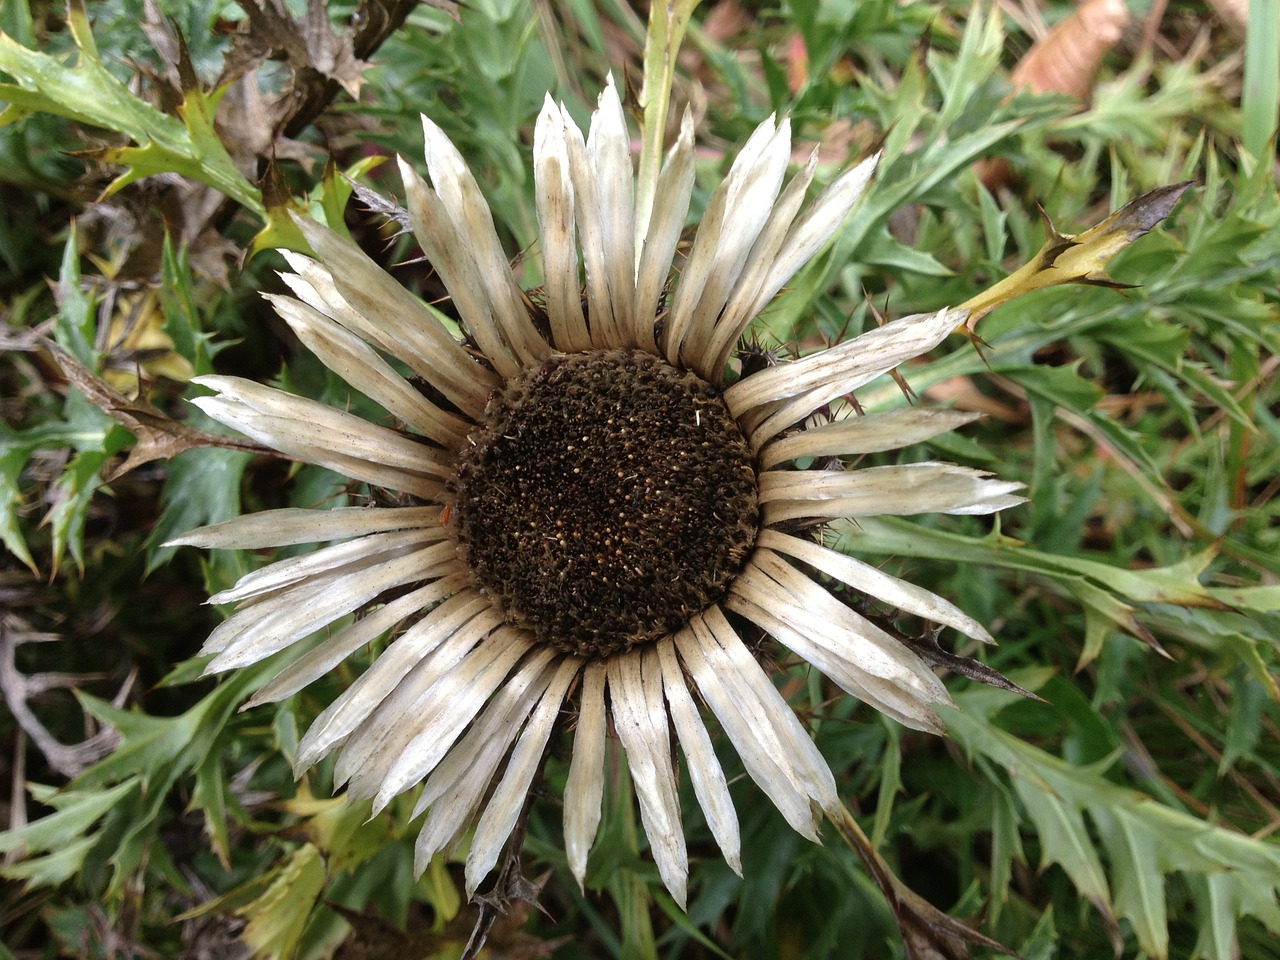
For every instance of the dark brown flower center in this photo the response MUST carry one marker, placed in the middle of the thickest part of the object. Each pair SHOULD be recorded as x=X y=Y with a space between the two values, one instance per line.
x=607 y=497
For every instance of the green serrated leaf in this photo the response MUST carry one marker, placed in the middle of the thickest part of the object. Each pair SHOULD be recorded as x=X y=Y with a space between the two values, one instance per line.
x=88 y=93
x=13 y=458
x=75 y=491
x=1064 y=840
x=203 y=487
x=887 y=253
x=76 y=321
x=180 y=305
x=210 y=797
x=1062 y=386
x=1177 y=583
x=52 y=869
x=75 y=811
x=1139 y=877
x=1144 y=840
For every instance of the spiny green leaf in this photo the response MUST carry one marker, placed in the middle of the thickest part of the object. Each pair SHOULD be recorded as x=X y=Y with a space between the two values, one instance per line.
x=1143 y=839
x=54 y=868
x=13 y=459
x=1064 y=840
x=75 y=810
x=1139 y=876
x=88 y=93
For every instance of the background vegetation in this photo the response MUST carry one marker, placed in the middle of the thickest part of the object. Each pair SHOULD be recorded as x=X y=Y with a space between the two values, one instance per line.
x=149 y=147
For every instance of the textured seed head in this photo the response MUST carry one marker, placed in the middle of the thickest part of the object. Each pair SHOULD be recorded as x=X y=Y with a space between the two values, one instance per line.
x=607 y=497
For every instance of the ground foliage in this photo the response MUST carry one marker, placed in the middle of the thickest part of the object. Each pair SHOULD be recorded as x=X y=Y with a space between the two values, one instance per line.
x=148 y=147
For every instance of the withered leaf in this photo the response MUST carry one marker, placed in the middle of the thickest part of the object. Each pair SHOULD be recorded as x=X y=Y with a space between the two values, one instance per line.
x=159 y=436
x=931 y=652
x=311 y=44
x=382 y=206
x=927 y=932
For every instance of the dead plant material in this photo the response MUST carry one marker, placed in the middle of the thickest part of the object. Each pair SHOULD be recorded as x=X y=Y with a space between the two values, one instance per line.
x=18 y=689
x=1064 y=61
x=927 y=932
x=1067 y=58
x=1234 y=13
x=159 y=436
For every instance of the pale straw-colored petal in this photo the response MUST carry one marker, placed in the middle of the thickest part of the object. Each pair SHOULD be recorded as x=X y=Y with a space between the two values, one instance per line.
x=584 y=789
x=293 y=525
x=752 y=718
x=333 y=560
x=448 y=252
x=442 y=693
x=414 y=346
x=386 y=313
x=718 y=339
x=347 y=355
x=640 y=718
x=874 y=691
x=729 y=226
x=313 y=443
x=783 y=248
x=746 y=217
x=494 y=731
x=355 y=703
x=479 y=257
x=657 y=252
x=609 y=153
x=768 y=402
x=875 y=583
x=553 y=193
x=500 y=815
x=895 y=490
x=269 y=625
x=442 y=703
x=871 y=433
x=453 y=792
x=705 y=772
x=810 y=767
x=468 y=666
x=324 y=657
x=304 y=424
x=816 y=226
x=845 y=646
x=470 y=663
x=591 y=237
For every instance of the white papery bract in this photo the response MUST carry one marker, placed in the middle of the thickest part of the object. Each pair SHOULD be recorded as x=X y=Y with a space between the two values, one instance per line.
x=464 y=699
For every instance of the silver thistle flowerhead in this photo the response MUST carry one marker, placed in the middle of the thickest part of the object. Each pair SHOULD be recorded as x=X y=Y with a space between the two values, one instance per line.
x=593 y=508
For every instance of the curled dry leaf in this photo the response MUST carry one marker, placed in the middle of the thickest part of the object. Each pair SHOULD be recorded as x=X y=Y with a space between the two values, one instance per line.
x=927 y=932
x=159 y=435
x=309 y=44
x=1065 y=61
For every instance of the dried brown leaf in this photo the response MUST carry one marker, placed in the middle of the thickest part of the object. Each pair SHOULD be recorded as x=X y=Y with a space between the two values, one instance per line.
x=1066 y=59
x=309 y=44
x=159 y=436
x=927 y=932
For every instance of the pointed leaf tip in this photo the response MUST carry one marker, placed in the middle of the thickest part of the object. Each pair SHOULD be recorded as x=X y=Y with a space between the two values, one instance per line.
x=1082 y=257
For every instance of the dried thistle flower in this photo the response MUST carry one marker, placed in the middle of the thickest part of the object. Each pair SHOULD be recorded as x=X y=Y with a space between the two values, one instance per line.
x=590 y=501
